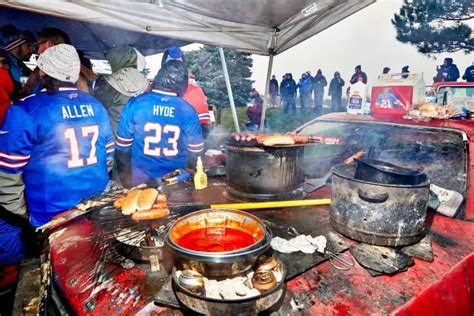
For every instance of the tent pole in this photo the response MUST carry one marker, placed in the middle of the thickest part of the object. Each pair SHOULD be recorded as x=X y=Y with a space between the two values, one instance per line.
x=229 y=91
x=267 y=88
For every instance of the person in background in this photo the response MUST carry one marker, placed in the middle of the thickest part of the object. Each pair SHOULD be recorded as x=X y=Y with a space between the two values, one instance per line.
x=125 y=82
x=87 y=73
x=11 y=254
x=305 y=86
x=469 y=73
x=447 y=72
x=194 y=95
x=385 y=71
x=405 y=72
x=198 y=99
x=273 y=91
x=254 y=111
x=335 y=92
x=158 y=132
x=358 y=75
x=63 y=149
x=288 y=93
x=47 y=37
x=319 y=82
x=16 y=50
x=6 y=89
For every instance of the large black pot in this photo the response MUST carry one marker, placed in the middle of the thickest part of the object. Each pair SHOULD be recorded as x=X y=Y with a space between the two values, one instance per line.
x=265 y=173
x=386 y=173
x=379 y=214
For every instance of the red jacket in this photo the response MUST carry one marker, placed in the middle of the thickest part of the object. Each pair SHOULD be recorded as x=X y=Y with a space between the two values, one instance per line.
x=196 y=97
x=6 y=88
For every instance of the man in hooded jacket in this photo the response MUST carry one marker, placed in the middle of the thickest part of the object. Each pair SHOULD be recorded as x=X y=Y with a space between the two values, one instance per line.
x=126 y=81
x=448 y=72
x=319 y=83
x=305 y=86
x=335 y=91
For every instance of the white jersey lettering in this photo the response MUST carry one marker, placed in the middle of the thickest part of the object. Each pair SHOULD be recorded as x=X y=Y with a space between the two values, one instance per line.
x=162 y=110
x=73 y=111
x=65 y=113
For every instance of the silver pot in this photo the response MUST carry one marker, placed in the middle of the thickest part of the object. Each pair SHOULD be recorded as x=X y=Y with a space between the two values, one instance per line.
x=217 y=264
x=379 y=214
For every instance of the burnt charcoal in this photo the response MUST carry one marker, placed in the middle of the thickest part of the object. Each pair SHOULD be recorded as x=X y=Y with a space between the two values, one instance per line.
x=422 y=250
x=381 y=259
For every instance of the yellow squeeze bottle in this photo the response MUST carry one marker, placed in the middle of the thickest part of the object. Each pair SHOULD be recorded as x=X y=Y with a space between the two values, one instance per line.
x=200 y=177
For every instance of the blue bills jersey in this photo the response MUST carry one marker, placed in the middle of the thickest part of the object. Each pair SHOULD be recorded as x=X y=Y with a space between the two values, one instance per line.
x=160 y=129
x=60 y=142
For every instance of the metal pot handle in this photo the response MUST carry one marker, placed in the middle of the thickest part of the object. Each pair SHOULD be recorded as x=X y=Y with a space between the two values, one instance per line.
x=373 y=197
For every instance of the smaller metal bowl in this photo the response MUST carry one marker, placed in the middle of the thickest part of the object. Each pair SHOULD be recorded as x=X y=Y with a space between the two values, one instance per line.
x=192 y=281
x=268 y=301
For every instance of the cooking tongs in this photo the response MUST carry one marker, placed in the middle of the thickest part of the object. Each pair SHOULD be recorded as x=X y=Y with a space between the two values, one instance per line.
x=339 y=261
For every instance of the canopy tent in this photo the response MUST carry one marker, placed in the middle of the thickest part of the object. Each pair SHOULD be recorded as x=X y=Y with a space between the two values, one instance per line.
x=92 y=38
x=264 y=27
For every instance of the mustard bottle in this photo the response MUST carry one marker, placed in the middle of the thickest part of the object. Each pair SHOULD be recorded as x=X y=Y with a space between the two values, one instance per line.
x=200 y=177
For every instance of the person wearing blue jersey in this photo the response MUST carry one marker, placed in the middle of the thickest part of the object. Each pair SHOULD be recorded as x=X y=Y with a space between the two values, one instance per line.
x=56 y=147
x=158 y=131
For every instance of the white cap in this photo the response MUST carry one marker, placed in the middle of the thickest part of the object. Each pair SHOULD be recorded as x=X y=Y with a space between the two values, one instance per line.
x=61 y=62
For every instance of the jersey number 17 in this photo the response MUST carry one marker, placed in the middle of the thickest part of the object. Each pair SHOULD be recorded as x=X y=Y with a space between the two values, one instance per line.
x=70 y=134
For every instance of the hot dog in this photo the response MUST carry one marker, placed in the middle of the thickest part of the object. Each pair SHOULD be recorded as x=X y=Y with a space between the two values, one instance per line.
x=300 y=139
x=159 y=205
x=154 y=213
x=160 y=198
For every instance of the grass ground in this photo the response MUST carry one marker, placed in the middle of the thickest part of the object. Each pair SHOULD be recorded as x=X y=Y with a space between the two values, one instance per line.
x=277 y=121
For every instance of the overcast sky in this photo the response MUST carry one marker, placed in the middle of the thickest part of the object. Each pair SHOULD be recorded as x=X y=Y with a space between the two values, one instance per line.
x=366 y=38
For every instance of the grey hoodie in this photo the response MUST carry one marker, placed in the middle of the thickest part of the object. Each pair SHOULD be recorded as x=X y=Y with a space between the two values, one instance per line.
x=114 y=90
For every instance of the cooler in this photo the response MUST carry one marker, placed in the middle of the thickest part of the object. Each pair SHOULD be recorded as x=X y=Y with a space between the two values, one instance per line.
x=393 y=94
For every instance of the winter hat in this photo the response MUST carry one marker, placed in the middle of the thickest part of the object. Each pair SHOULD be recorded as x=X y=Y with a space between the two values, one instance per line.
x=11 y=38
x=174 y=53
x=61 y=62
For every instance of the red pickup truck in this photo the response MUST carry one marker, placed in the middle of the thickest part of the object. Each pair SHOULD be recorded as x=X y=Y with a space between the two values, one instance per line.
x=445 y=90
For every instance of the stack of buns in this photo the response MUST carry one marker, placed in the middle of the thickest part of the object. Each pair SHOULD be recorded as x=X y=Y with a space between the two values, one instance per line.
x=143 y=204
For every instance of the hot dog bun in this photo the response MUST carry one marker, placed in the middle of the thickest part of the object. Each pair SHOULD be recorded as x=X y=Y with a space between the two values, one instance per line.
x=273 y=140
x=130 y=203
x=146 y=199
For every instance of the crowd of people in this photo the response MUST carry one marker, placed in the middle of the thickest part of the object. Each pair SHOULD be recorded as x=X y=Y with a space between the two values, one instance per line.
x=67 y=134
x=310 y=90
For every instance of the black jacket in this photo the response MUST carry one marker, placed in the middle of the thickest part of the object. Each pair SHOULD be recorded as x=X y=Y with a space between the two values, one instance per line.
x=335 y=87
x=356 y=75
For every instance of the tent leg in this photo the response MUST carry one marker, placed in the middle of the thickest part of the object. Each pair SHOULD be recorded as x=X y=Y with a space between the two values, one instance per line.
x=229 y=91
x=267 y=88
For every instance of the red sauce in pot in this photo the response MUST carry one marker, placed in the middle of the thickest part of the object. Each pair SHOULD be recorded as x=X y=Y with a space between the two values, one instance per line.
x=215 y=239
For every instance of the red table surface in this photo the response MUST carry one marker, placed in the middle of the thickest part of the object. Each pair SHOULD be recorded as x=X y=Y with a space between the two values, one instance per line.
x=444 y=286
